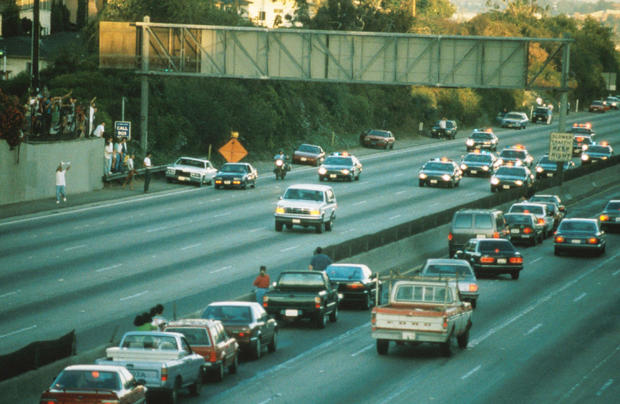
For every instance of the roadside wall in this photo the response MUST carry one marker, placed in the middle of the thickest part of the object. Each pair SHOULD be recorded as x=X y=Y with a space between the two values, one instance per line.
x=28 y=171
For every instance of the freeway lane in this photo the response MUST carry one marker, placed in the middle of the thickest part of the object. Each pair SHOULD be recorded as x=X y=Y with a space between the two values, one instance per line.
x=550 y=336
x=99 y=266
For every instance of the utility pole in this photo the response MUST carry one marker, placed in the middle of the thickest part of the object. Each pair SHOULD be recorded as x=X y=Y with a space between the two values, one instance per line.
x=36 y=32
x=144 y=87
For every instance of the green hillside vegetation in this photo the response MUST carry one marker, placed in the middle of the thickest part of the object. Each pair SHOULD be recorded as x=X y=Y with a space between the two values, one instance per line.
x=188 y=115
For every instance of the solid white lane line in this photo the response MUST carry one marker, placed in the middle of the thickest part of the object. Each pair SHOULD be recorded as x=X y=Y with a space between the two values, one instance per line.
x=578 y=298
x=108 y=268
x=18 y=331
x=157 y=229
x=289 y=248
x=398 y=175
x=360 y=203
x=221 y=269
x=362 y=350
x=191 y=246
x=134 y=296
x=531 y=330
x=401 y=192
x=394 y=217
x=604 y=387
x=536 y=260
x=587 y=375
x=255 y=230
x=222 y=214
x=75 y=247
x=615 y=273
x=471 y=372
x=9 y=293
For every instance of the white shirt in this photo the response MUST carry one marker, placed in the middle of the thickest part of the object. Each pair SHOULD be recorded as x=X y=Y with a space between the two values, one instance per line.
x=147 y=162
x=130 y=163
x=99 y=131
x=119 y=147
x=109 y=149
x=442 y=124
x=60 y=177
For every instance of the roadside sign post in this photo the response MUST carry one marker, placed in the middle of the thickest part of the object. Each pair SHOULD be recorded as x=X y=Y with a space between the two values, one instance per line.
x=560 y=150
x=122 y=129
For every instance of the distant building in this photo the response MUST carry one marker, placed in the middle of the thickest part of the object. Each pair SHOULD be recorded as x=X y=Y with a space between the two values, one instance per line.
x=267 y=13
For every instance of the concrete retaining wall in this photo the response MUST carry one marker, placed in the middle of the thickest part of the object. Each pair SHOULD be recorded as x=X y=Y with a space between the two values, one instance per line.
x=28 y=171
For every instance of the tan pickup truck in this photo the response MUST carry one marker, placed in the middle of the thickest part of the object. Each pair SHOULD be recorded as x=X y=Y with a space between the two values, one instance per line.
x=422 y=310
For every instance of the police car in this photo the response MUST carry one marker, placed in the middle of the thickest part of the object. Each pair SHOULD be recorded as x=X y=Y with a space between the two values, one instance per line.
x=547 y=168
x=596 y=152
x=479 y=162
x=440 y=172
x=482 y=139
x=511 y=176
x=340 y=166
x=516 y=155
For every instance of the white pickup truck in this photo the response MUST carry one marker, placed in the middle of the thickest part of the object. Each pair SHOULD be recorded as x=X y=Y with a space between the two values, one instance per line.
x=422 y=311
x=163 y=360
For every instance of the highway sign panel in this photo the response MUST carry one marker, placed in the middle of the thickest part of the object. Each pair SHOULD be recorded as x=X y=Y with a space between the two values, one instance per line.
x=123 y=129
x=560 y=146
x=233 y=151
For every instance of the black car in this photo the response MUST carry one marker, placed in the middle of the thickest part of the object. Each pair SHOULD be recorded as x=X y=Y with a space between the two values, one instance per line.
x=595 y=153
x=356 y=283
x=482 y=139
x=516 y=155
x=507 y=177
x=576 y=234
x=550 y=198
x=524 y=227
x=492 y=256
x=340 y=166
x=460 y=270
x=546 y=168
x=581 y=143
x=236 y=175
x=479 y=163
x=248 y=323
x=542 y=114
x=440 y=172
x=610 y=216
x=449 y=132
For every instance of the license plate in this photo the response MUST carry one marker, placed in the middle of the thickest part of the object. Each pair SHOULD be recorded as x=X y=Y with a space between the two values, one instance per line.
x=291 y=313
x=408 y=335
x=433 y=181
x=480 y=236
x=303 y=159
x=501 y=260
x=506 y=186
x=576 y=241
x=332 y=176
x=474 y=171
x=296 y=221
x=549 y=174
x=143 y=375
x=181 y=178
x=516 y=231
x=227 y=182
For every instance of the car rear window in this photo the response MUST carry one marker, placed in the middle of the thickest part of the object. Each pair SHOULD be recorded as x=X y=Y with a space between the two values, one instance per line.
x=518 y=219
x=228 y=314
x=297 y=279
x=447 y=269
x=463 y=221
x=535 y=209
x=193 y=335
x=303 y=194
x=495 y=246
x=87 y=379
x=379 y=133
x=577 y=226
x=423 y=294
x=344 y=273
x=613 y=206
x=483 y=221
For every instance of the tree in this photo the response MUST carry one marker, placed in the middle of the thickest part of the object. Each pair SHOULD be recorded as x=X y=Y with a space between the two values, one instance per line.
x=60 y=17
x=11 y=120
x=11 y=24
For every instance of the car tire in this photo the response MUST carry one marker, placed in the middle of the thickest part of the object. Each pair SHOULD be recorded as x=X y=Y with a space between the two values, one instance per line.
x=195 y=388
x=463 y=339
x=173 y=395
x=320 y=228
x=601 y=251
x=279 y=226
x=493 y=189
x=515 y=275
x=391 y=146
x=446 y=347
x=329 y=225
x=273 y=345
x=333 y=316
x=474 y=303
x=320 y=320
x=218 y=374
x=420 y=183
x=232 y=369
x=258 y=350
x=367 y=303
x=383 y=345
x=556 y=251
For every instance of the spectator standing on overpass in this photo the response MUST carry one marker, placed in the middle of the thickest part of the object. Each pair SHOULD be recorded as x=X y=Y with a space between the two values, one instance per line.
x=107 y=154
x=98 y=132
x=261 y=283
x=61 y=182
x=147 y=171
x=319 y=260
x=132 y=171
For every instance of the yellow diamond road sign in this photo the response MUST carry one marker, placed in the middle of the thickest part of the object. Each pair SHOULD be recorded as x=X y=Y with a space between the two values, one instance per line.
x=560 y=146
x=233 y=151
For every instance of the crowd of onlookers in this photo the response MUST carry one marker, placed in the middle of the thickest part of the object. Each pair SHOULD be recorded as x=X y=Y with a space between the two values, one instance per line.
x=58 y=117
x=151 y=320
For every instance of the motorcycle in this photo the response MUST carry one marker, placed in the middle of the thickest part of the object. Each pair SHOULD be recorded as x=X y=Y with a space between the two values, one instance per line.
x=280 y=168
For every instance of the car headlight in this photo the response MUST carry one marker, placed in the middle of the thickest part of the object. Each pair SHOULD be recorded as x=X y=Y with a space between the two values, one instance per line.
x=585 y=157
x=539 y=169
x=345 y=171
x=315 y=212
x=169 y=170
x=500 y=162
x=494 y=180
x=485 y=168
x=469 y=142
x=463 y=166
x=423 y=176
x=446 y=177
x=584 y=147
x=519 y=182
x=322 y=170
x=280 y=209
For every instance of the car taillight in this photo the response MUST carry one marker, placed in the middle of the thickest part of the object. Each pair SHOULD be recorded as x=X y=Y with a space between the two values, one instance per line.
x=212 y=356
x=265 y=301
x=110 y=402
x=373 y=318
x=592 y=240
x=603 y=218
x=541 y=221
x=450 y=236
x=164 y=374
x=559 y=239
x=356 y=285
x=527 y=230
x=48 y=401
x=317 y=302
x=487 y=260
x=495 y=235
x=445 y=322
x=516 y=260
x=473 y=287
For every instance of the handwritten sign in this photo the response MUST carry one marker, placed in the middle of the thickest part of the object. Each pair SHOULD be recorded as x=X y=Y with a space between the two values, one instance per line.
x=560 y=146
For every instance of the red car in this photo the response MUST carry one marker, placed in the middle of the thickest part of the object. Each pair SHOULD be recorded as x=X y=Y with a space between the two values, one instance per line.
x=599 y=106
x=94 y=384
x=383 y=139
x=309 y=154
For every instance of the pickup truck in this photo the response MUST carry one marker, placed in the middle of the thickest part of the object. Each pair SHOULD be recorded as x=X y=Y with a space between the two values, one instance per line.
x=163 y=360
x=303 y=294
x=307 y=205
x=422 y=310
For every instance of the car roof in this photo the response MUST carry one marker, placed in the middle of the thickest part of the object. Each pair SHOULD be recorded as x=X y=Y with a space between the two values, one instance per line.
x=337 y=264
x=100 y=368
x=191 y=322
x=234 y=303
x=446 y=261
x=314 y=187
x=478 y=211
x=194 y=158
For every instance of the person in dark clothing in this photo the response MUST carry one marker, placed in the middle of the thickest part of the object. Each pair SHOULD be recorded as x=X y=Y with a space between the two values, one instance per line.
x=319 y=260
x=147 y=171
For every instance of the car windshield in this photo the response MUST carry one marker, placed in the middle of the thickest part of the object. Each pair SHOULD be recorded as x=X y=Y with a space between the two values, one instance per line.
x=303 y=194
x=597 y=102
x=535 y=209
x=495 y=246
x=193 y=335
x=545 y=160
x=599 y=149
x=448 y=269
x=339 y=161
x=518 y=219
x=228 y=314
x=511 y=171
x=577 y=225
x=515 y=154
x=344 y=273
x=578 y=129
x=311 y=279
x=190 y=163
x=381 y=133
x=513 y=116
x=234 y=168
x=438 y=167
x=481 y=136
x=613 y=206
x=479 y=158
x=423 y=294
x=306 y=148
x=87 y=380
